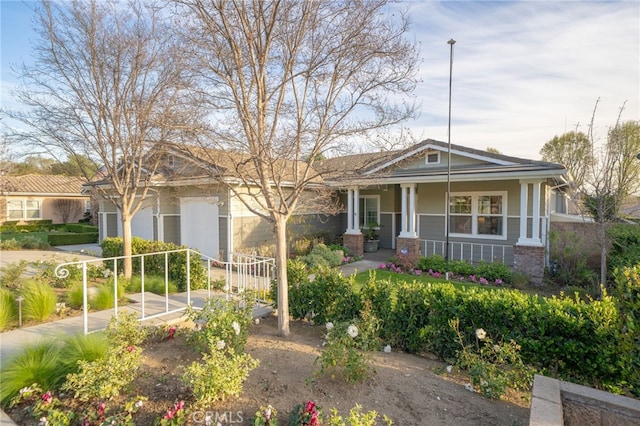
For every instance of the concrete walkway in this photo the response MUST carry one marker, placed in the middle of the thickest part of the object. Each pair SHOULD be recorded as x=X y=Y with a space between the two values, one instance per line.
x=11 y=341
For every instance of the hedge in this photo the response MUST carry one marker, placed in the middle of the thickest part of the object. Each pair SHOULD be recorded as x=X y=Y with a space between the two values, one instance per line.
x=566 y=337
x=73 y=238
x=154 y=265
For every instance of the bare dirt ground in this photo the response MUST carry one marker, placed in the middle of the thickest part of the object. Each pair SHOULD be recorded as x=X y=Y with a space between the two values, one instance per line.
x=410 y=389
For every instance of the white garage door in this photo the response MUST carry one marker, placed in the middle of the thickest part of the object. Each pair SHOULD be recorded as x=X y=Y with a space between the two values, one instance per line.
x=142 y=224
x=199 y=225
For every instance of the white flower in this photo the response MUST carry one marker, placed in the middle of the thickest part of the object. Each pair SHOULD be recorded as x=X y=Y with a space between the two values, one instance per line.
x=352 y=331
x=236 y=327
x=267 y=413
x=496 y=348
x=481 y=334
x=469 y=387
x=43 y=421
x=329 y=326
x=256 y=321
x=139 y=404
x=449 y=368
x=387 y=349
x=220 y=345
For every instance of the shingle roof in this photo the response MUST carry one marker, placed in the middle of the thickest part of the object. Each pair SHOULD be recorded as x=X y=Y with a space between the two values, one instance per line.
x=41 y=185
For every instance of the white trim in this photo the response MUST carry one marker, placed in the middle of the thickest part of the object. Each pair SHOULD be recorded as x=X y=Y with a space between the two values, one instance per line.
x=474 y=214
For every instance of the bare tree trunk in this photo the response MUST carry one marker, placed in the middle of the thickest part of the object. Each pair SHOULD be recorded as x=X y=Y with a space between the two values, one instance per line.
x=126 y=245
x=603 y=254
x=281 y=267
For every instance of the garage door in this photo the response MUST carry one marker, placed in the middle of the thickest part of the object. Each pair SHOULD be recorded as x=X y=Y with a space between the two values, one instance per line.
x=199 y=224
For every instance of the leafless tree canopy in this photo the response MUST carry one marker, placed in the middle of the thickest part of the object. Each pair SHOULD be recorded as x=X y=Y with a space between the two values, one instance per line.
x=291 y=82
x=107 y=83
x=67 y=208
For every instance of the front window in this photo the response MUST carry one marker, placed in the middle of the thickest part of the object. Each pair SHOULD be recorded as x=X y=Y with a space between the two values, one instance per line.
x=23 y=209
x=369 y=211
x=478 y=215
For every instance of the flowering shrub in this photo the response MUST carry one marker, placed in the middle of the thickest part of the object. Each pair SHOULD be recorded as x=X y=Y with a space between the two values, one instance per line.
x=347 y=344
x=221 y=325
x=307 y=414
x=492 y=366
x=495 y=273
x=174 y=415
x=266 y=416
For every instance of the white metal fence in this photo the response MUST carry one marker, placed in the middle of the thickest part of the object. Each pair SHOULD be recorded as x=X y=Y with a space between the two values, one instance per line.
x=242 y=273
x=470 y=252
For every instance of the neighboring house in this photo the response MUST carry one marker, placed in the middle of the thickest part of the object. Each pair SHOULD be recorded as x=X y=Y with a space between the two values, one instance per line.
x=500 y=206
x=42 y=197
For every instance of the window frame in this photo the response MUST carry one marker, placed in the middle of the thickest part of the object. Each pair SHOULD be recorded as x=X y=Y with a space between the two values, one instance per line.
x=363 y=223
x=24 y=209
x=475 y=214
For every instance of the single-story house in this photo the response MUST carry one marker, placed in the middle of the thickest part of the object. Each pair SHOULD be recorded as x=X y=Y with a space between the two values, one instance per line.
x=499 y=206
x=42 y=197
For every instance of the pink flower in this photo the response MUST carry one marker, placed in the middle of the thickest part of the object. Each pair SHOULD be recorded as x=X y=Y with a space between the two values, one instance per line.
x=498 y=281
x=483 y=280
x=47 y=397
x=436 y=274
x=131 y=348
x=382 y=266
x=310 y=407
x=101 y=408
x=472 y=277
x=172 y=331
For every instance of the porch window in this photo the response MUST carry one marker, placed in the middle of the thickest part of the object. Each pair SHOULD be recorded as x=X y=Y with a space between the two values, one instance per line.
x=369 y=210
x=478 y=215
x=23 y=209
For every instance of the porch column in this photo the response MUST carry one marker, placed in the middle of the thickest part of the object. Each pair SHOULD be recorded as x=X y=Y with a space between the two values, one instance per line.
x=534 y=239
x=524 y=195
x=353 y=213
x=408 y=211
x=353 y=238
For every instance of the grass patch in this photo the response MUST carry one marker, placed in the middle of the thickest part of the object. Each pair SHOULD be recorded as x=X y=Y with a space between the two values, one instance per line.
x=153 y=283
x=39 y=301
x=8 y=309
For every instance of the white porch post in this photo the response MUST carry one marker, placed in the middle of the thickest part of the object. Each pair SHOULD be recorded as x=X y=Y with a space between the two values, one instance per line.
x=534 y=239
x=524 y=195
x=535 y=227
x=408 y=211
x=349 y=210
x=353 y=211
x=412 y=210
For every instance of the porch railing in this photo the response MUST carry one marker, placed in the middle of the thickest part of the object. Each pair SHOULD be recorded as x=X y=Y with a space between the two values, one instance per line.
x=470 y=252
x=243 y=272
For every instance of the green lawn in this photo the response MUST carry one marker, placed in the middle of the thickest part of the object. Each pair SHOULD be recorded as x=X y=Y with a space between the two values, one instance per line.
x=395 y=277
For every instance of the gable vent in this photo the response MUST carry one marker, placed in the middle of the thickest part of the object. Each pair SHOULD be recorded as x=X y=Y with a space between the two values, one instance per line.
x=432 y=157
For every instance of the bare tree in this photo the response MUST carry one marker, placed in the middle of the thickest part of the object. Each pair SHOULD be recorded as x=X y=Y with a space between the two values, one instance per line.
x=612 y=174
x=67 y=208
x=289 y=83
x=106 y=84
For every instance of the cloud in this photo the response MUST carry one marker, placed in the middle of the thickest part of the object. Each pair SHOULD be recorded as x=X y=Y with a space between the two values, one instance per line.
x=525 y=71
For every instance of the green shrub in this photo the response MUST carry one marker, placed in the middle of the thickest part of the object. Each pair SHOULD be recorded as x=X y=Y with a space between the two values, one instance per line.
x=39 y=301
x=221 y=325
x=36 y=363
x=152 y=283
x=322 y=256
x=125 y=330
x=12 y=273
x=434 y=262
x=218 y=376
x=624 y=250
x=8 y=308
x=9 y=244
x=106 y=377
x=627 y=292
x=567 y=252
x=493 y=271
x=33 y=242
x=155 y=265
x=81 y=347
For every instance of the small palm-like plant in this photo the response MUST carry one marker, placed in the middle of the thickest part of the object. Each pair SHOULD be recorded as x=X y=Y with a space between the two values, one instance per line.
x=39 y=301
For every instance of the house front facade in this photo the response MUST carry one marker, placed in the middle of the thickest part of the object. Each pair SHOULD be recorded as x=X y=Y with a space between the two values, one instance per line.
x=499 y=207
x=42 y=197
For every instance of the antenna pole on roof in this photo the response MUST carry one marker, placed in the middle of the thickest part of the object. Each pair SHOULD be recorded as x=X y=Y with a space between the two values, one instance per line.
x=448 y=202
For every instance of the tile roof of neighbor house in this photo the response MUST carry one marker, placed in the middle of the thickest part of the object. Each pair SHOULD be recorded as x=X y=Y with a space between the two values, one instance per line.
x=42 y=185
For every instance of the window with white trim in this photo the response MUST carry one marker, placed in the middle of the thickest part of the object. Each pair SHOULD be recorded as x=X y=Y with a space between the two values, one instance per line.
x=23 y=209
x=478 y=215
x=369 y=210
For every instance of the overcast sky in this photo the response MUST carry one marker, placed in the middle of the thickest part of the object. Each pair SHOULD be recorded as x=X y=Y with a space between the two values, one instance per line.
x=523 y=72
